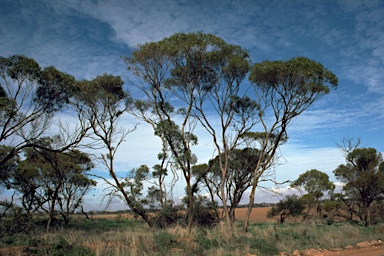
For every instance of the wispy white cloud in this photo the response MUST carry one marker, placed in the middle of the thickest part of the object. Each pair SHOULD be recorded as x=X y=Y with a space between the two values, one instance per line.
x=301 y=158
x=363 y=58
x=70 y=42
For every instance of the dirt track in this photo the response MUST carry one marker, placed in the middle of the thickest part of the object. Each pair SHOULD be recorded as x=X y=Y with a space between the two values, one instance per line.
x=368 y=248
x=373 y=251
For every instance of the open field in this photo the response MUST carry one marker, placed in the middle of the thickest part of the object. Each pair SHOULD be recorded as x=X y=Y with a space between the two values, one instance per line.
x=258 y=214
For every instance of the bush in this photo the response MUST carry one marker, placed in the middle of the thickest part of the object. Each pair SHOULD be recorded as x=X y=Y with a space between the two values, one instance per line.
x=167 y=219
x=165 y=241
x=263 y=247
x=291 y=205
x=59 y=248
x=18 y=223
x=203 y=212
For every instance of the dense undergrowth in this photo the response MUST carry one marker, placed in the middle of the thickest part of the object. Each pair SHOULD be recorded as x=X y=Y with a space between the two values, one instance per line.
x=120 y=236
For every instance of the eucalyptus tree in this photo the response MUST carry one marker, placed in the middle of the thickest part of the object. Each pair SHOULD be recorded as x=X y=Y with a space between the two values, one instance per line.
x=154 y=65
x=8 y=167
x=6 y=171
x=29 y=98
x=238 y=178
x=51 y=181
x=290 y=206
x=283 y=90
x=363 y=176
x=315 y=183
x=217 y=71
x=200 y=75
x=160 y=193
x=102 y=101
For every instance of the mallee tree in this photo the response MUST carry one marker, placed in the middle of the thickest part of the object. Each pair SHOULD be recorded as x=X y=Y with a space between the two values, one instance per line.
x=29 y=98
x=283 y=90
x=363 y=176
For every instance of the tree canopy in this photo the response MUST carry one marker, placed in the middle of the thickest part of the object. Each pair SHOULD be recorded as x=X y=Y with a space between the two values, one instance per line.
x=29 y=96
x=315 y=183
x=182 y=82
x=363 y=176
x=283 y=90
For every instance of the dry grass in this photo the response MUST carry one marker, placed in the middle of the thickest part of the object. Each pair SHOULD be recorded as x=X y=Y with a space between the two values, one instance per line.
x=120 y=234
x=134 y=237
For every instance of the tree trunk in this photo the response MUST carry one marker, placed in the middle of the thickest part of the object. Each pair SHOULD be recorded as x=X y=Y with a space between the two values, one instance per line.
x=82 y=210
x=136 y=210
x=250 y=207
x=225 y=207
x=190 y=212
x=231 y=215
x=52 y=210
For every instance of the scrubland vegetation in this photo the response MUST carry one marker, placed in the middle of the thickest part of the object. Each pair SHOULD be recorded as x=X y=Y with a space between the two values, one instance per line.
x=118 y=235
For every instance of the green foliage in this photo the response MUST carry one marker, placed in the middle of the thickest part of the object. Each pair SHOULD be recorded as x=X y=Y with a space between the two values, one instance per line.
x=202 y=60
x=284 y=90
x=9 y=167
x=263 y=246
x=133 y=185
x=165 y=241
x=48 y=180
x=289 y=206
x=203 y=214
x=363 y=176
x=168 y=218
x=238 y=178
x=104 y=88
x=17 y=222
x=60 y=247
x=300 y=76
x=176 y=142
x=19 y=67
x=287 y=88
x=314 y=182
x=188 y=69
x=53 y=87
x=29 y=96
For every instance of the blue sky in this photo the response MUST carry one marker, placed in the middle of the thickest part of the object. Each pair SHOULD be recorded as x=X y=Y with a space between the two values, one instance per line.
x=86 y=38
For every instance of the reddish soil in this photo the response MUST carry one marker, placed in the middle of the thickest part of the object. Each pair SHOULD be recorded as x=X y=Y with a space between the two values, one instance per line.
x=373 y=251
x=368 y=248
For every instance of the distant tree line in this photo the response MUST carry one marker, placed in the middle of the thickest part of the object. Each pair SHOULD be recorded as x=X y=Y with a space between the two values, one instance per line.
x=360 y=199
x=181 y=82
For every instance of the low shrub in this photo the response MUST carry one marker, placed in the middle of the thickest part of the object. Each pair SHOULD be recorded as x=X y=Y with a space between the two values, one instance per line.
x=165 y=241
x=17 y=223
x=60 y=247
